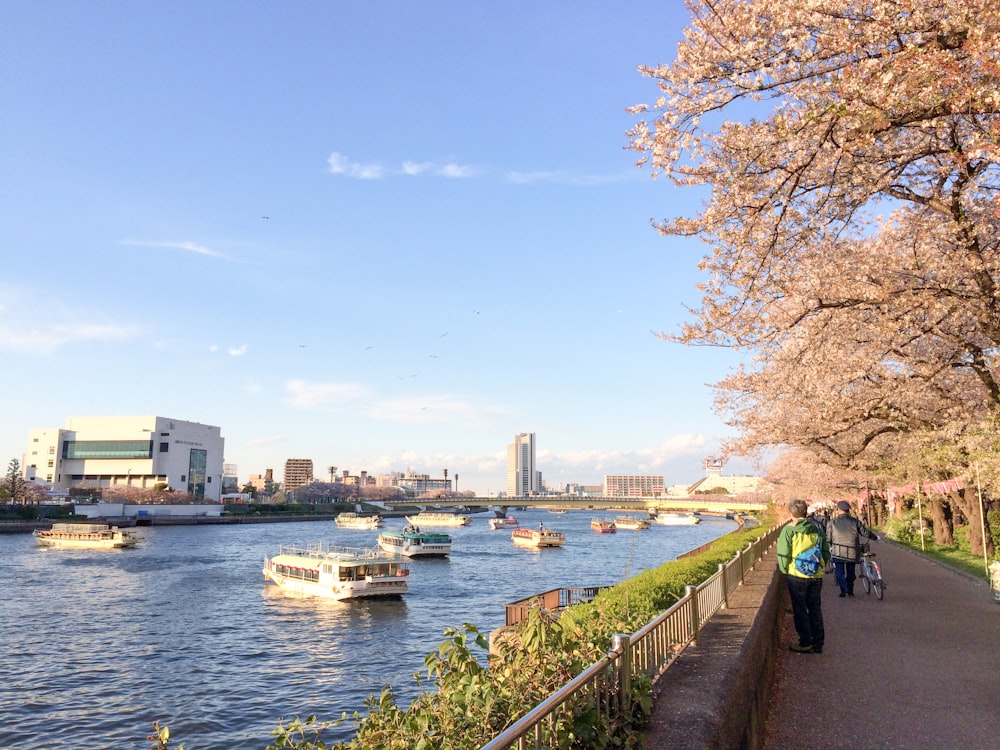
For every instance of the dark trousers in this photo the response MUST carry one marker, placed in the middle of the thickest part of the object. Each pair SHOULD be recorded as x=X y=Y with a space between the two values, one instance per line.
x=806 y=610
x=844 y=571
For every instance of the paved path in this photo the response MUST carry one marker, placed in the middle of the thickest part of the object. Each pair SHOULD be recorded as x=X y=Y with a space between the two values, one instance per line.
x=920 y=669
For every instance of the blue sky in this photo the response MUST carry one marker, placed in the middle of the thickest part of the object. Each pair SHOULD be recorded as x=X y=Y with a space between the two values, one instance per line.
x=376 y=235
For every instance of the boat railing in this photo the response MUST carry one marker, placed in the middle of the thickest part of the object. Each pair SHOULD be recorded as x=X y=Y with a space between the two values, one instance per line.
x=328 y=550
x=552 y=600
x=605 y=687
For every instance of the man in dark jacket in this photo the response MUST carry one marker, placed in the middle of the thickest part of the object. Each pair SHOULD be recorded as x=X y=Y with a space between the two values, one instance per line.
x=845 y=533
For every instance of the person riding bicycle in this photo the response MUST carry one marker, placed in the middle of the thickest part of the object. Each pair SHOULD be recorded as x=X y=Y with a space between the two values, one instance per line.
x=845 y=533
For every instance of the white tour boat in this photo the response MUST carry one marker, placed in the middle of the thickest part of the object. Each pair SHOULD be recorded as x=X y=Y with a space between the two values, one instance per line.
x=358 y=521
x=501 y=523
x=676 y=519
x=85 y=536
x=438 y=518
x=337 y=572
x=538 y=538
x=413 y=543
x=631 y=523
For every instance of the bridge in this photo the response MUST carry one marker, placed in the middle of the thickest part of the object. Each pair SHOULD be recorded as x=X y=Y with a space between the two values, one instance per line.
x=711 y=504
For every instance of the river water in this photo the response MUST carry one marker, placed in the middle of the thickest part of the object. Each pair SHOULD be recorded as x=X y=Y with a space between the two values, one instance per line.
x=95 y=646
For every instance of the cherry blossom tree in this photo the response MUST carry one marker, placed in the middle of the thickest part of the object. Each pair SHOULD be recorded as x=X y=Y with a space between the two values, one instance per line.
x=852 y=155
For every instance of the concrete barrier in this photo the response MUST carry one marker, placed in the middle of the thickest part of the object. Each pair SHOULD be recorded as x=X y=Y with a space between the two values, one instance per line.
x=716 y=694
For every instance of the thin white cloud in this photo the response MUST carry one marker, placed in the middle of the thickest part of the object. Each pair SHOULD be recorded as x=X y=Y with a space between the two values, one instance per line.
x=305 y=395
x=456 y=170
x=413 y=168
x=340 y=164
x=237 y=351
x=44 y=330
x=190 y=247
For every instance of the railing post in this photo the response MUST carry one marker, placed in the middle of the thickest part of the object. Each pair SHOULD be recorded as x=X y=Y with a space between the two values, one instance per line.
x=622 y=643
x=725 y=585
x=691 y=592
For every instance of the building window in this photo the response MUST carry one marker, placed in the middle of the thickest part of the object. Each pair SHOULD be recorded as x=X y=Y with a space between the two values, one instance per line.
x=197 y=465
x=93 y=449
x=164 y=447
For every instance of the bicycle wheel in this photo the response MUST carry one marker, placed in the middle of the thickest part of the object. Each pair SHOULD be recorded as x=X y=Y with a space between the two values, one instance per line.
x=878 y=584
x=866 y=578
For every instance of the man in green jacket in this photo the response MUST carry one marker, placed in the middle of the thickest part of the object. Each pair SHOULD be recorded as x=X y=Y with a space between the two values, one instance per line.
x=803 y=553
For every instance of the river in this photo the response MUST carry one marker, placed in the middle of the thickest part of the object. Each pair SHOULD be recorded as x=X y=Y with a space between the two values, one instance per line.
x=95 y=646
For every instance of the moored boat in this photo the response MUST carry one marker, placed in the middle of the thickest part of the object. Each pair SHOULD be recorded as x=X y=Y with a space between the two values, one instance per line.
x=602 y=526
x=411 y=542
x=537 y=538
x=358 y=521
x=676 y=519
x=85 y=536
x=438 y=518
x=500 y=523
x=337 y=572
x=631 y=523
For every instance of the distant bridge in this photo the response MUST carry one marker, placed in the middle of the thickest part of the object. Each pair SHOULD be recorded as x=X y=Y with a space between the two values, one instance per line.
x=705 y=503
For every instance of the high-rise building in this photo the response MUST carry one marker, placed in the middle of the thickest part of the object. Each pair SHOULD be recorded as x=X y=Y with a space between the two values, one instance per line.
x=145 y=452
x=298 y=473
x=522 y=476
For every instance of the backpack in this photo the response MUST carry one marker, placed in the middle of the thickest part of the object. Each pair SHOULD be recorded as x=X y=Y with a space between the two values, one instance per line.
x=807 y=551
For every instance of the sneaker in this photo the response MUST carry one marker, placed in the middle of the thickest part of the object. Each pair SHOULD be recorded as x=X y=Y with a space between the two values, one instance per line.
x=800 y=649
x=817 y=649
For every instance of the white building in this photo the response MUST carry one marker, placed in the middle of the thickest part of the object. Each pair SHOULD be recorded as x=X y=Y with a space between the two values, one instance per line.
x=632 y=485
x=95 y=452
x=522 y=476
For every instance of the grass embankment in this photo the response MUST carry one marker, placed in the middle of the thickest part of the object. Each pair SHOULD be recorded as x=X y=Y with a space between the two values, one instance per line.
x=903 y=531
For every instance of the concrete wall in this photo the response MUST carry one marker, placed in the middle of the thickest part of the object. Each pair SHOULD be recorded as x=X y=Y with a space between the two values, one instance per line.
x=716 y=694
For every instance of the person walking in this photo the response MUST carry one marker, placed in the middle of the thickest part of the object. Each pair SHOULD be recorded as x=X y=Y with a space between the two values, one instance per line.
x=803 y=553
x=845 y=533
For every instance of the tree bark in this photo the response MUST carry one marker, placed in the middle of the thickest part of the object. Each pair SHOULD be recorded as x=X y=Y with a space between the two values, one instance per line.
x=941 y=521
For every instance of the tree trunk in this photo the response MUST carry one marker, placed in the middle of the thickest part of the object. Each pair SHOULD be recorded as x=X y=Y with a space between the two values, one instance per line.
x=968 y=503
x=941 y=520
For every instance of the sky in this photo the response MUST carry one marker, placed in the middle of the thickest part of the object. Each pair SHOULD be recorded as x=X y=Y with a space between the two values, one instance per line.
x=381 y=236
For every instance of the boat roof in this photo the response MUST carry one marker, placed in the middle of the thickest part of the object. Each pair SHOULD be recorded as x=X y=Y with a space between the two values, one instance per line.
x=416 y=534
x=336 y=554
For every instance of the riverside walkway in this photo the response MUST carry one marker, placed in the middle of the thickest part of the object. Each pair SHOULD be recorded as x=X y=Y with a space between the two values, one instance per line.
x=920 y=669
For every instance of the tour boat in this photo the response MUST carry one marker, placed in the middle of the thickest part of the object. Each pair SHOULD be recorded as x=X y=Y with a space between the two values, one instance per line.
x=499 y=523
x=337 y=572
x=85 y=536
x=413 y=543
x=676 y=519
x=631 y=523
x=358 y=521
x=438 y=518
x=540 y=537
x=602 y=526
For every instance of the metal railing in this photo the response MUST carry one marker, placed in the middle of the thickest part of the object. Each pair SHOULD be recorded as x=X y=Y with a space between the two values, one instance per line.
x=605 y=687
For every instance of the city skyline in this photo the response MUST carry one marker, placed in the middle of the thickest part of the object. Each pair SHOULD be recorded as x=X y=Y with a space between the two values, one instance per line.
x=372 y=237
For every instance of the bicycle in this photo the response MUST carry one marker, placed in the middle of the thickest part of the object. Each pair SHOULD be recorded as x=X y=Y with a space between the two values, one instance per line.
x=871 y=573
